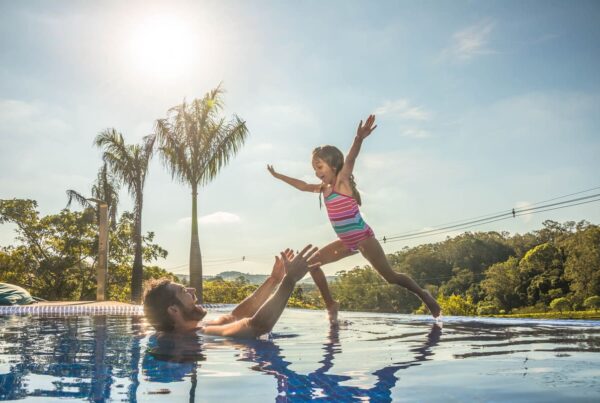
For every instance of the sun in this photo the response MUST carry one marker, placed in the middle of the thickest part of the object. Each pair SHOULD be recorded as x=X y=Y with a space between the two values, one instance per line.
x=162 y=46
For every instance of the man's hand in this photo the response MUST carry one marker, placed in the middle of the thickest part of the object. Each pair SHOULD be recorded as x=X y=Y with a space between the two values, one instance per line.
x=297 y=267
x=278 y=268
x=272 y=170
x=362 y=132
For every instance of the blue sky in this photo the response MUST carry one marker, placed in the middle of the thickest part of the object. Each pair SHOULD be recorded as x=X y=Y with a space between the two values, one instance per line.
x=481 y=107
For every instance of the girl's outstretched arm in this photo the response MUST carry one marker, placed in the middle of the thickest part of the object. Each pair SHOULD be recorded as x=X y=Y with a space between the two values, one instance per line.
x=362 y=132
x=297 y=183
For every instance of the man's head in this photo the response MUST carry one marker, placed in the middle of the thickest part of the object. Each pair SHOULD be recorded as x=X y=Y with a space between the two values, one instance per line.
x=167 y=304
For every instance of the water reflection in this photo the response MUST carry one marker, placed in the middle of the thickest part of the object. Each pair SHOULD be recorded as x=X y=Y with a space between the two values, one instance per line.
x=173 y=358
x=83 y=358
x=292 y=386
x=99 y=358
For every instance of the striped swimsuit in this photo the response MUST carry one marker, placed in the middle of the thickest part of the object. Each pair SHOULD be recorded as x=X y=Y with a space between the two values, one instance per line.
x=346 y=220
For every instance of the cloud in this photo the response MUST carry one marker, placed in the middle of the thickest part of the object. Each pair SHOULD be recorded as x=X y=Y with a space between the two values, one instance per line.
x=524 y=205
x=220 y=217
x=415 y=133
x=469 y=42
x=29 y=119
x=402 y=109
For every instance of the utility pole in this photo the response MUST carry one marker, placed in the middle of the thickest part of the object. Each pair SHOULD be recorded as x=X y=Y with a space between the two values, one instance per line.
x=102 y=268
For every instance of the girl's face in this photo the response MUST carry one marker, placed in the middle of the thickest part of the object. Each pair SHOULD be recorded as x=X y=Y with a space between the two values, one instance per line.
x=323 y=171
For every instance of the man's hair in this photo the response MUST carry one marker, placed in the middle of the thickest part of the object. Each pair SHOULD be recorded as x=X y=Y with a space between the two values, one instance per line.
x=157 y=299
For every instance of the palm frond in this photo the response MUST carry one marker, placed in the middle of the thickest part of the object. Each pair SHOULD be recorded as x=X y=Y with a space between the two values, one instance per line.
x=79 y=198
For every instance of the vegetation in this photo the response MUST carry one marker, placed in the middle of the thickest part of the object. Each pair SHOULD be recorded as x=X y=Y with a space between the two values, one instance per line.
x=195 y=143
x=552 y=272
x=56 y=255
x=129 y=164
x=488 y=273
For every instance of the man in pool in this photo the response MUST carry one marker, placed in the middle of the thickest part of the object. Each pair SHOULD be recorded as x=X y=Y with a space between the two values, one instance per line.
x=171 y=307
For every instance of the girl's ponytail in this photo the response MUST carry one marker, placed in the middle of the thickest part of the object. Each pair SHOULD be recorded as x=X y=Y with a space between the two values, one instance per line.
x=355 y=193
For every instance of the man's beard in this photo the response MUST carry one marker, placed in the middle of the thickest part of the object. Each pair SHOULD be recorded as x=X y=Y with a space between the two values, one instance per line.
x=195 y=313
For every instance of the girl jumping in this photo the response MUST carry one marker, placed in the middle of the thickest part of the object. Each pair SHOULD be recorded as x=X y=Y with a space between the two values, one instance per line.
x=342 y=200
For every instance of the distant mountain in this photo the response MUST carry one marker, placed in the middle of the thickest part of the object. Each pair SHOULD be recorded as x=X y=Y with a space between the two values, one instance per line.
x=260 y=278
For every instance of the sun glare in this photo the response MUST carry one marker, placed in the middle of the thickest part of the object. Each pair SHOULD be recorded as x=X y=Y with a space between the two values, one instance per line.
x=162 y=46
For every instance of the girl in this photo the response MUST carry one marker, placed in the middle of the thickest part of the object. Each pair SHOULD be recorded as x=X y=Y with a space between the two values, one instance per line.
x=342 y=200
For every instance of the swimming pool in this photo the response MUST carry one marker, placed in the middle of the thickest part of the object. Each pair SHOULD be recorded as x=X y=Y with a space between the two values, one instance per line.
x=376 y=357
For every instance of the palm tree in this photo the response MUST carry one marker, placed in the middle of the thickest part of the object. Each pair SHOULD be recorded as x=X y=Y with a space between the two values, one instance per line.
x=106 y=188
x=195 y=143
x=129 y=165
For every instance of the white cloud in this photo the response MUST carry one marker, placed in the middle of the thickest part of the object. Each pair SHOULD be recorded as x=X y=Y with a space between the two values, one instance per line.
x=220 y=217
x=416 y=133
x=29 y=119
x=402 y=109
x=470 y=42
x=523 y=205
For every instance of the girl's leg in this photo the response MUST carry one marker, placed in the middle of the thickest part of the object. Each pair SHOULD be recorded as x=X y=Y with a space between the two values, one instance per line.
x=329 y=254
x=371 y=249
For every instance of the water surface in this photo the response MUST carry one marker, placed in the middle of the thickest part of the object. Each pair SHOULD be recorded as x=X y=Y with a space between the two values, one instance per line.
x=376 y=357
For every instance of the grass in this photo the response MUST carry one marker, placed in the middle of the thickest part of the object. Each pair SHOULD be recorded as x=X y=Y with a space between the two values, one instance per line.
x=554 y=315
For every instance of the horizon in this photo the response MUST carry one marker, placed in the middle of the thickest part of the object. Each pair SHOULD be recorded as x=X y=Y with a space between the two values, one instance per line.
x=480 y=108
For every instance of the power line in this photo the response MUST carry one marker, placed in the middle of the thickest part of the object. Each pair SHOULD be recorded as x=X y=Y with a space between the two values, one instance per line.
x=493 y=214
x=495 y=219
x=446 y=228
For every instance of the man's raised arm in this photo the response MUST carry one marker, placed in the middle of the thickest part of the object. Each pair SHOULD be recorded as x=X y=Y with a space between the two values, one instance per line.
x=267 y=315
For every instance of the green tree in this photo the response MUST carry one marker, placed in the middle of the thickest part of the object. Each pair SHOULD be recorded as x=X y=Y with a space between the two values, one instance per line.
x=582 y=266
x=363 y=289
x=457 y=305
x=56 y=255
x=54 y=258
x=129 y=164
x=542 y=274
x=501 y=283
x=562 y=304
x=122 y=251
x=592 y=303
x=195 y=143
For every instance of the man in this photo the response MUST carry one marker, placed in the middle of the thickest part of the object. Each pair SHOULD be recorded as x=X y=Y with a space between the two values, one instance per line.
x=171 y=307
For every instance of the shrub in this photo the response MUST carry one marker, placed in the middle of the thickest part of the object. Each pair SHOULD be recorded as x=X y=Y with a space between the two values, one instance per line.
x=561 y=304
x=592 y=303
x=457 y=305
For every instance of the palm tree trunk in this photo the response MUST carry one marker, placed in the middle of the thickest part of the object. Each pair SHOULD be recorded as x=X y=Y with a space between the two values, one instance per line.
x=195 y=256
x=138 y=264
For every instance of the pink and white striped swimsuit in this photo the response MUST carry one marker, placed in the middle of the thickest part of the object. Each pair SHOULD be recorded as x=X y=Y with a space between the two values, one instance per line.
x=346 y=220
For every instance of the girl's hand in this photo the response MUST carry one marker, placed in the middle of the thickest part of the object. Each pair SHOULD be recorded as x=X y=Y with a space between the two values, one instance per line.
x=363 y=131
x=272 y=170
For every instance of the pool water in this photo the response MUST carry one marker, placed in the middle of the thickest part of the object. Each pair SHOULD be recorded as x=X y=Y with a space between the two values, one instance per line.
x=368 y=357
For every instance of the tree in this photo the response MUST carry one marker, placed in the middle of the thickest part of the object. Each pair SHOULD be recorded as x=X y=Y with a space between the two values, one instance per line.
x=106 y=188
x=592 y=303
x=129 y=165
x=582 y=266
x=562 y=304
x=542 y=274
x=501 y=283
x=195 y=143
x=54 y=258
x=363 y=289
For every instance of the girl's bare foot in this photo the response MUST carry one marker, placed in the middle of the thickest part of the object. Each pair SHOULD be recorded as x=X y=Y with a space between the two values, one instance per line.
x=432 y=304
x=332 y=311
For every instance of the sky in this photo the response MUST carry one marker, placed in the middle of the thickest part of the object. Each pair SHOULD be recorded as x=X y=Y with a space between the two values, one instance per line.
x=481 y=106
